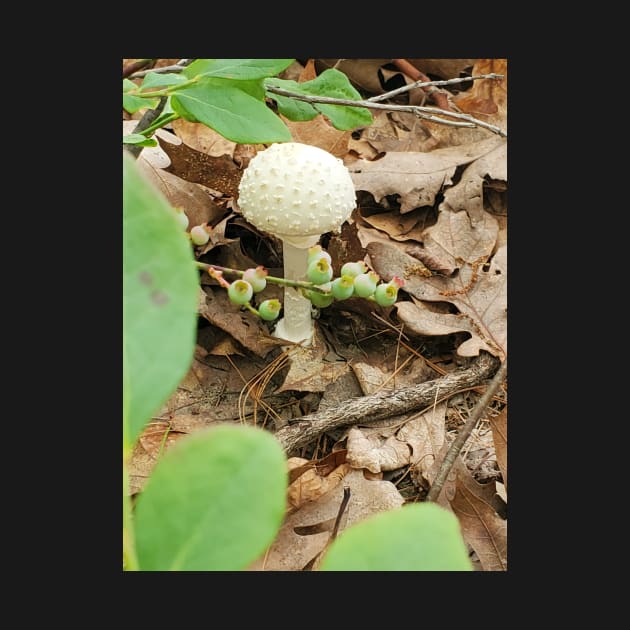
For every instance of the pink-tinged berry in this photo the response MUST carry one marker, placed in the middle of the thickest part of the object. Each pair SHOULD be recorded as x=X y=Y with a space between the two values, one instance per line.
x=365 y=284
x=256 y=277
x=316 y=252
x=321 y=300
x=319 y=271
x=240 y=292
x=181 y=217
x=200 y=234
x=353 y=269
x=343 y=288
x=269 y=309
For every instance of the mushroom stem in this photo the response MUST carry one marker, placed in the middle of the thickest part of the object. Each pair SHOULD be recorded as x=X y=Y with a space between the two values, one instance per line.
x=297 y=323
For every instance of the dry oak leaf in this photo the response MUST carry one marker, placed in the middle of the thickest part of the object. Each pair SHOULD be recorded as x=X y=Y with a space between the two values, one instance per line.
x=246 y=328
x=417 y=442
x=499 y=435
x=482 y=528
x=291 y=551
x=204 y=139
x=479 y=293
x=309 y=371
x=468 y=193
x=414 y=176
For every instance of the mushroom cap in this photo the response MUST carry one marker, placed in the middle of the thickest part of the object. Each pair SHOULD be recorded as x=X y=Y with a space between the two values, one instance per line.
x=296 y=190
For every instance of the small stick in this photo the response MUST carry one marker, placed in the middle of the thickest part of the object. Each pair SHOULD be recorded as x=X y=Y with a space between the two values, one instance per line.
x=422 y=84
x=130 y=68
x=368 y=409
x=439 y=97
x=460 y=440
x=178 y=67
x=421 y=112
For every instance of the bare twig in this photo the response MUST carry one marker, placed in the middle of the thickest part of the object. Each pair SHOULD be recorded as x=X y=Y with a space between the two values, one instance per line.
x=178 y=67
x=440 y=97
x=421 y=112
x=130 y=68
x=422 y=84
x=385 y=404
x=144 y=123
x=460 y=440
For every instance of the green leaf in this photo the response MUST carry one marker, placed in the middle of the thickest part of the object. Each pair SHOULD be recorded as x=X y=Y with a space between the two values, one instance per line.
x=139 y=139
x=290 y=107
x=214 y=502
x=133 y=103
x=416 y=537
x=160 y=288
x=235 y=114
x=236 y=68
x=334 y=84
x=157 y=79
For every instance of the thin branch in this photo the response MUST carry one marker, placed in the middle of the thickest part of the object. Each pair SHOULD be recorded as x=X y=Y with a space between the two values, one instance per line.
x=368 y=409
x=421 y=112
x=423 y=84
x=464 y=434
x=130 y=68
x=178 y=67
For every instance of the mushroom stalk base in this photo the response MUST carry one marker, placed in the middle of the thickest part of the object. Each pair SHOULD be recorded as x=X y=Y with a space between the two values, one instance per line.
x=297 y=323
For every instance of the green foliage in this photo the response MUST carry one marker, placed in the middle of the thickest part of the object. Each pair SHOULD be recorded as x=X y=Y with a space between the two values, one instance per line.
x=236 y=68
x=331 y=83
x=140 y=140
x=161 y=79
x=417 y=537
x=228 y=95
x=132 y=103
x=214 y=502
x=225 y=107
x=160 y=286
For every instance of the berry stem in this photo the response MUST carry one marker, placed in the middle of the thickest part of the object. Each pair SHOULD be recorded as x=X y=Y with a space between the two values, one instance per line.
x=300 y=284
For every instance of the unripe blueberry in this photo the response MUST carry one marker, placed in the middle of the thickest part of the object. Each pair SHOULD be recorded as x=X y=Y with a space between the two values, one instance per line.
x=256 y=277
x=240 y=292
x=319 y=271
x=200 y=234
x=269 y=309
x=385 y=294
x=321 y=300
x=353 y=269
x=365 y=284
x=343 y=288
x=316 y=252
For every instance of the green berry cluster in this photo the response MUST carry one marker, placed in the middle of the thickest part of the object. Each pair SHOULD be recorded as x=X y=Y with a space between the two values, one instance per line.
x=355 y=280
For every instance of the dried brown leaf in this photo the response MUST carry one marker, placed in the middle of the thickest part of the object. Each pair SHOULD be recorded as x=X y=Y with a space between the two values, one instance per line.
x=375 y=453
x=202 y=138
x=499 y=435
x=245 y=327
x=415 y=177
x=442 y=68
x=292 y=552
x=319 y=133
x=397 y=131
x=197 y=204
x=478 y=292
x=363 y=73
x=309 y=370
x=482 y=528
x=487 y=98
x=468 y=194
x=218 y=173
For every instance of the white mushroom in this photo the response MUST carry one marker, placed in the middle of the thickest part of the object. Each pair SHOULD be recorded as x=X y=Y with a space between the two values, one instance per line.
x=296 y=192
